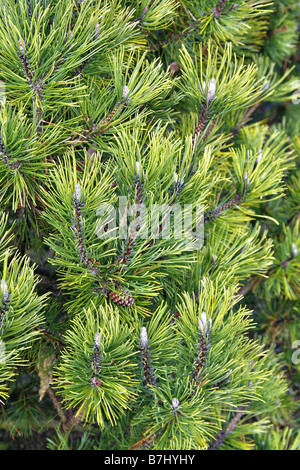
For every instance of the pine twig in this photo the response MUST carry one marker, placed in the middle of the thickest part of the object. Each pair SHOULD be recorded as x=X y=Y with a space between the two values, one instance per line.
x=230 y=427
x=212 y=215
x=56 y=404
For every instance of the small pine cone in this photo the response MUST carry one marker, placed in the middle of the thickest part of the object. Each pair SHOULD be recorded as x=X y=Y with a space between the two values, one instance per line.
x=95 y=382
x=174 y=67
x=123 y=297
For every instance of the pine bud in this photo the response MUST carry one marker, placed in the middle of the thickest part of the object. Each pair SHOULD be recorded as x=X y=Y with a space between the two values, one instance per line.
x=211 y=89
x=94 y=270
x=144 y=338
x=175 y=404
x=96 y=355
x=246 y=179
x=95 y=382
x=97 y=31
x=259 y=156
x=142 y=15
x=22 y=46
x=226 y=378
x=295 y=251
x=139 y=170
x=205 y=326
x=97 y=340
x=176 y=182
x=77 y=192
x=125 y=92
x=4 y=291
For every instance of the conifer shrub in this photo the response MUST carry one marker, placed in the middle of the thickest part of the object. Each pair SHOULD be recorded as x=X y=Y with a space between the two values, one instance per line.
x=150 y=230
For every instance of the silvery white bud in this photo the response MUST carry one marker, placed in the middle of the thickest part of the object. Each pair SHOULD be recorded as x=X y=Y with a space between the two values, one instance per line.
x=295 y=249
x=22 y=46
x=259 y=155
x=175 y=403
x=97 y=340
x=144 y=337
x=211 y=89
x=4 y=290
x=203 y=325
x=125 y=91
x=226 y=377
x=2 y=352
x=176 y=179
x=77 y=192
x=97 y=30
x=139 y=169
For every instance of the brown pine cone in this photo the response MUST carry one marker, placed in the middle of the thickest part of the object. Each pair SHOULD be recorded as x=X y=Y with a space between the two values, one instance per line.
x=122 y=297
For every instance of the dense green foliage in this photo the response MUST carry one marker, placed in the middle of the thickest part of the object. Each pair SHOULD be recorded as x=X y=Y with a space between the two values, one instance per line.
x=115 y=117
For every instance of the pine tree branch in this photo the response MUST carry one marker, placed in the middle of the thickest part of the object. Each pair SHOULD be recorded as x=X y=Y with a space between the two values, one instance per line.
x=229 y=428
x=140 y=18
x=246 y=288
x=36 y=86
x=203 y=118
x=202 y=350
x=69 y=419
x=56 y=404
x=216 y=12
x=128 y=251
x=6 y=158
x=145 y=358
x=73 y=420
x=102 y=126
x=77 y=226
x=244 y=120
x=212 y=215
x=5 y=300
